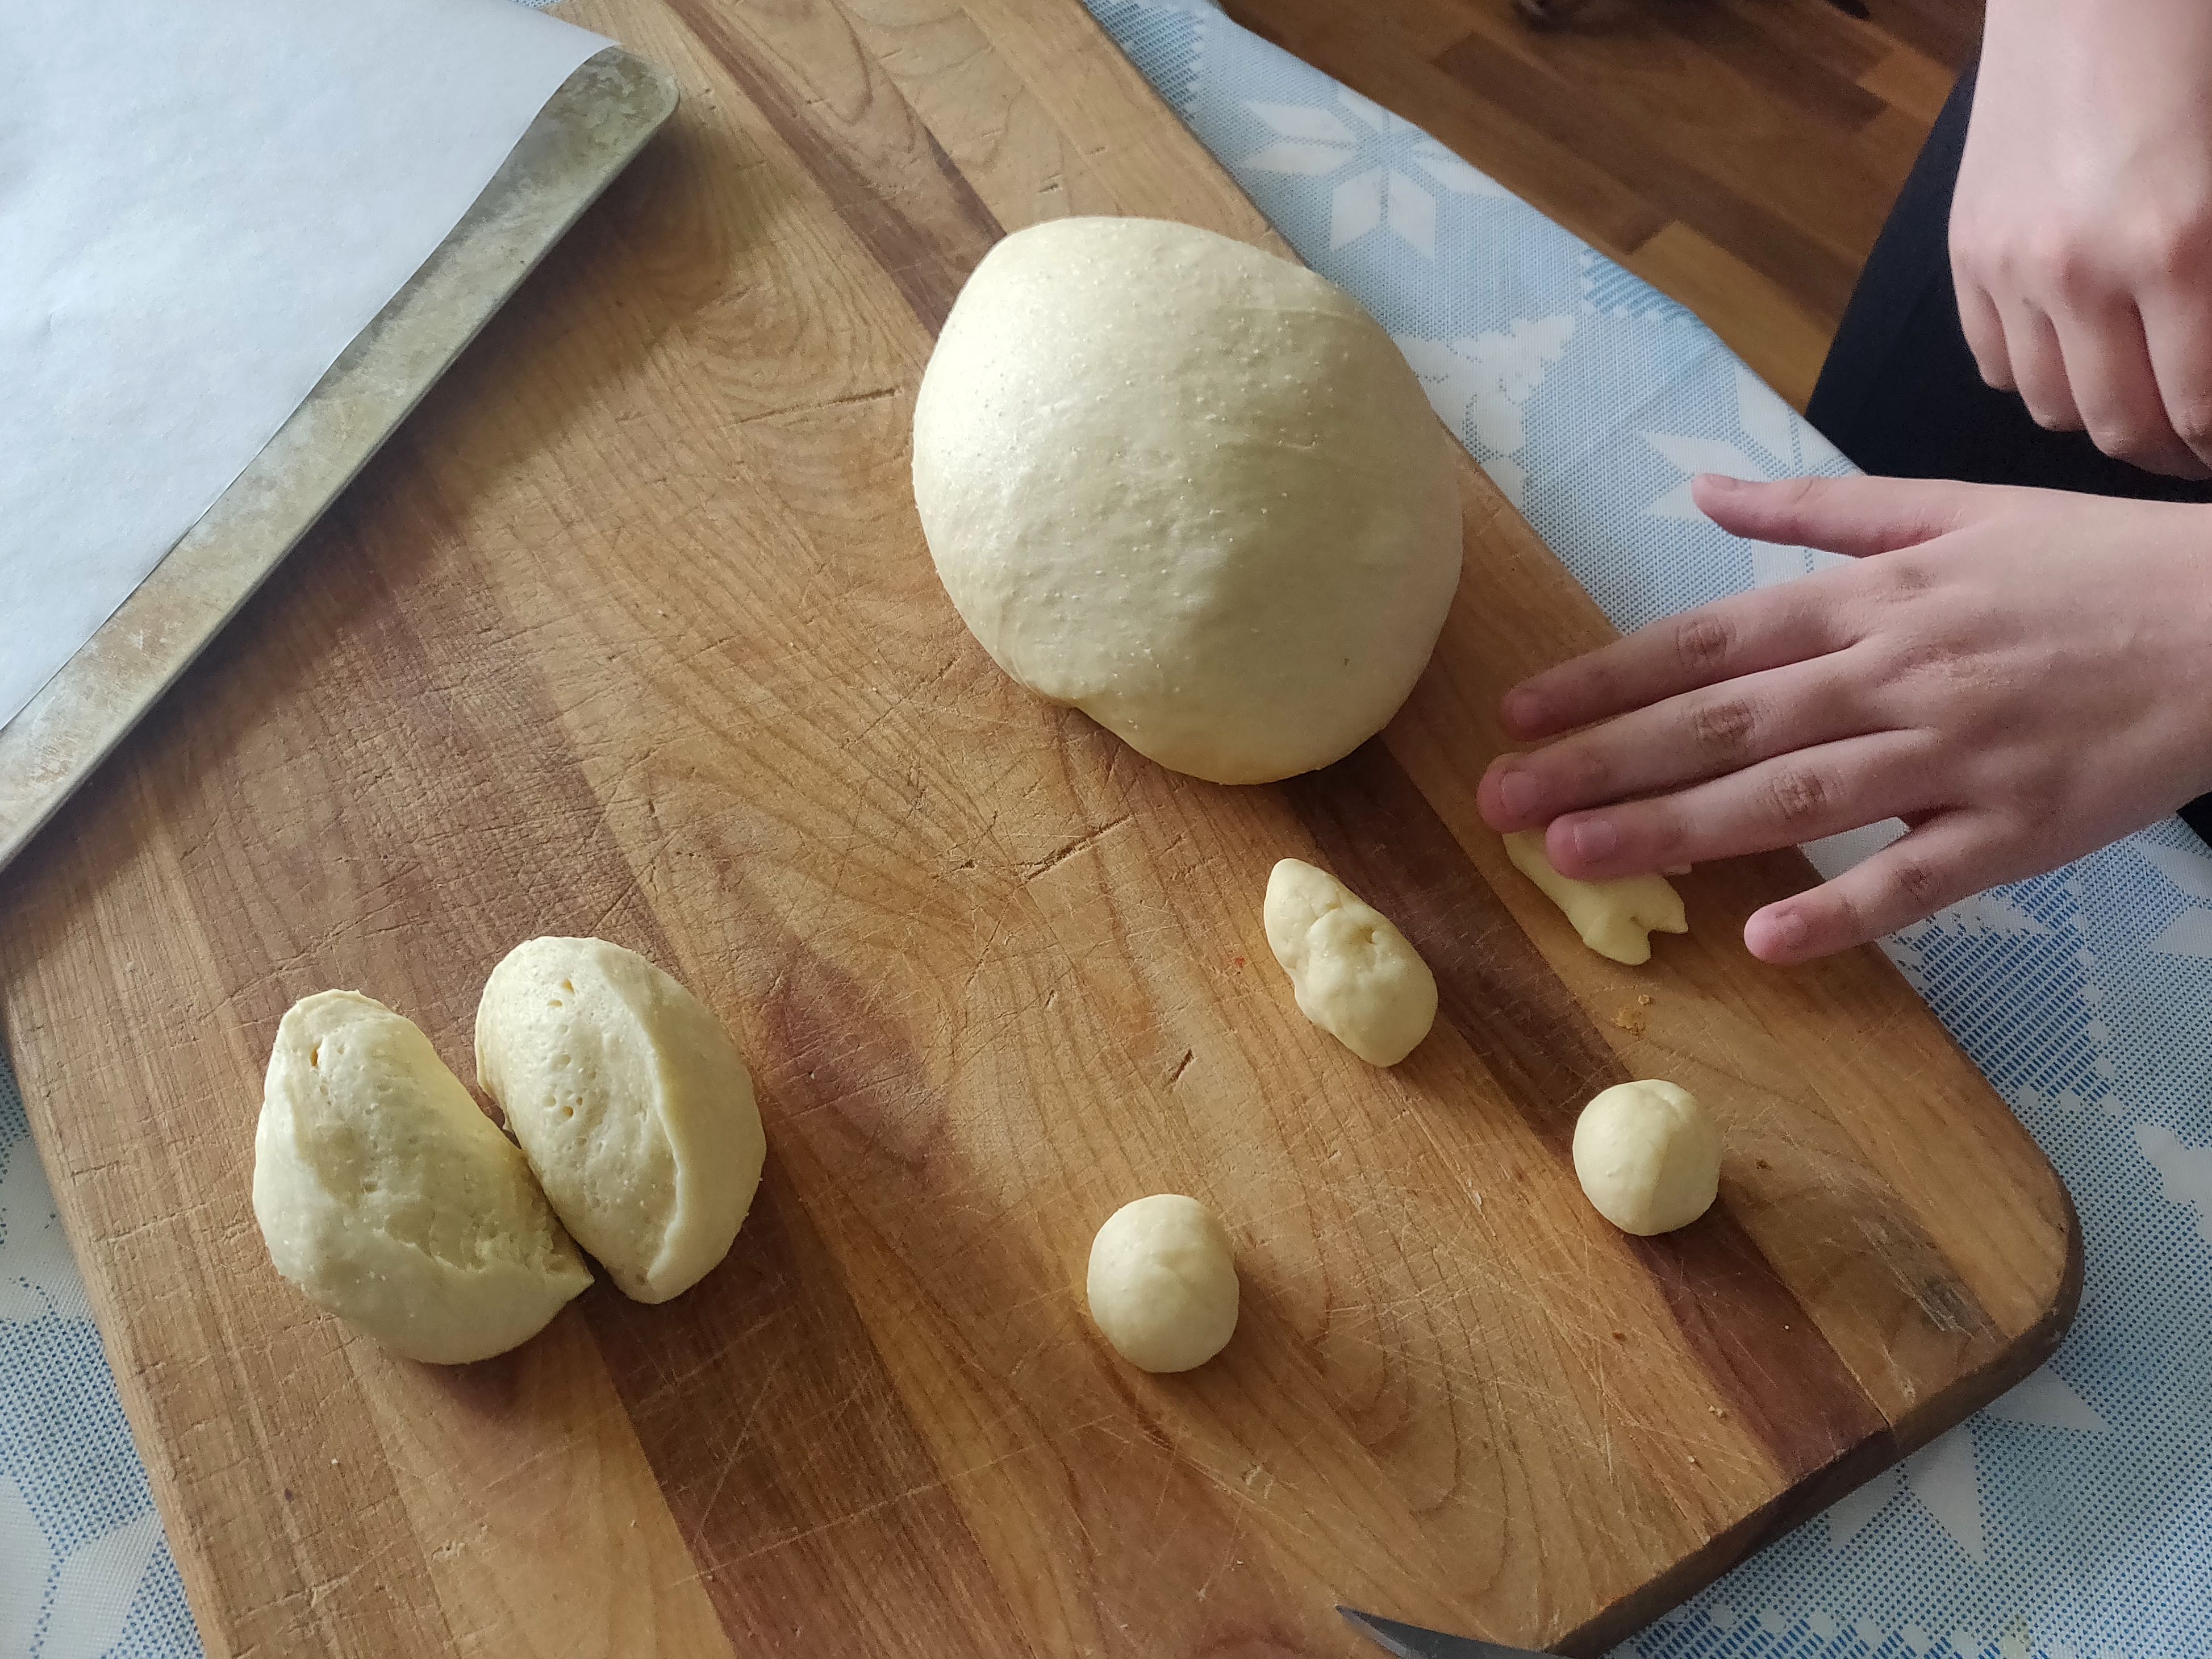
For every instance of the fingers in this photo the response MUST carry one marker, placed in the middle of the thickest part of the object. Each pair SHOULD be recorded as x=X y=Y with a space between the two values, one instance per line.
x=1985 y=338
x=2116 y=391
x=1756 y=631
x=1746 y=634
x=1793 y=798
x=2039 y=368
x=2013 y=344
x=1684 y=739
x=1857 y=516
x=2177 y=336
x=1946 y=858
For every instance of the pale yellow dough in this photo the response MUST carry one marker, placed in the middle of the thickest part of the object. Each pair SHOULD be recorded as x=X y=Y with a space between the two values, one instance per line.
x=1356 y=976
x=1162 y=1283
x=1648 y=1157
x=631 y=1103
x=1615 y=919
x=1189 y=488
x=390 y=1200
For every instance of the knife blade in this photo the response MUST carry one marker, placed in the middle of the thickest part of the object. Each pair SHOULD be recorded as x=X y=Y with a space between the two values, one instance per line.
x=1411 y=1642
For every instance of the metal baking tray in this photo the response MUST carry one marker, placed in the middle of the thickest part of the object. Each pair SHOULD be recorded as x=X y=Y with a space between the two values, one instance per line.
x=587 y=132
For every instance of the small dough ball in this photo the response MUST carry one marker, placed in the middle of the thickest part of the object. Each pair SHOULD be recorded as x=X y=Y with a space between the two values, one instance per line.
x=1615 y=919
x=1189 y=488
x=1162 y=1283
x=1648 y=1157
x=631 y=1103
x=1354 y=973
x=390 y=1200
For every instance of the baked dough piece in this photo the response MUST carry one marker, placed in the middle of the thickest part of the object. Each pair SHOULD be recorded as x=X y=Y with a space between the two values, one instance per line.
x=631 y=1103
x=1615 y=919
x=1355 y=975
x=1648 y=1157
x=390 y=1200
x=1189 y=488
x=1162 y=1283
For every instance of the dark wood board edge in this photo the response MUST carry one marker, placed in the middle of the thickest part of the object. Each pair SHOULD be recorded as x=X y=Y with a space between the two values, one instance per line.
x=1817 y=1492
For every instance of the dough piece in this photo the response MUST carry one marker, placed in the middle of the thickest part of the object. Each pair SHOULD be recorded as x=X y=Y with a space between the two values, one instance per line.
x=631 y=1103
x=1162 y=1283
x=390 y=1200
x=1648 y=1157
x=1189 y=488
x=1616 y=918
x=1355 y=975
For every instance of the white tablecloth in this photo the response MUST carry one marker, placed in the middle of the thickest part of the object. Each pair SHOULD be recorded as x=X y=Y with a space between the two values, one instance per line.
x=2070 y=1520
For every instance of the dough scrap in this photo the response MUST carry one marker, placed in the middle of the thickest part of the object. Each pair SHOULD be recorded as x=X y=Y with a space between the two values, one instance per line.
x=390 y=1200
x=1191 y=489
x=631 y=1104
x=1356 y=976
x=1615 y=919
x=1648 y=1157
x=1162 y=1283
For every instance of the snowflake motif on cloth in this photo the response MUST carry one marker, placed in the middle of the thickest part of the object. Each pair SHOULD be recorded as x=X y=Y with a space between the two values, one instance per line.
x=1386 y=170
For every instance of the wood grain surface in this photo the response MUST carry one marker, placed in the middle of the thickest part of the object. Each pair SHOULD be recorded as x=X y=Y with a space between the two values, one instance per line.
x=631 y=632
x=1739 y=154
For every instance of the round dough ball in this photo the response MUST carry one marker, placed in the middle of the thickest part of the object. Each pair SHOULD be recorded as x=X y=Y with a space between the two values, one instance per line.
x=1648 y=1157
x=1356 y=976
x=390 y=1200
x=631 y=1103
x=1189 y=488
x=1162 y=1283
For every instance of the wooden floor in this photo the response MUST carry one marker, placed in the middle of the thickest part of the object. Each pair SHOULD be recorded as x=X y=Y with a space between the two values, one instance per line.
x=1739 y=153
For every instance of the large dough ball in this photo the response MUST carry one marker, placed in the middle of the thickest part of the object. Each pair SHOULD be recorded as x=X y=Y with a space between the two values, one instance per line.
x=1356 y=976
x=631 y=1103
x=1191 y=489
x=1648 y=1157
x=390 y=1200
x=1162 y=1283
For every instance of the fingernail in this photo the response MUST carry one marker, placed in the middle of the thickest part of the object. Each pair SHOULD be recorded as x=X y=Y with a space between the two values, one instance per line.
x=1594 y=839
x=1518 y=794
x=1523 y=710
x=1719 y=481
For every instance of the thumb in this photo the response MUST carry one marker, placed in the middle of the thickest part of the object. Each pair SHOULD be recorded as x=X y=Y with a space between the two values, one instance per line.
x=1857 y=516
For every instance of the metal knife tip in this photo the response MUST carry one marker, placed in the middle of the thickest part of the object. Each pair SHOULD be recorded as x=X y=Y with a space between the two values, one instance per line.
x=1411 y=1642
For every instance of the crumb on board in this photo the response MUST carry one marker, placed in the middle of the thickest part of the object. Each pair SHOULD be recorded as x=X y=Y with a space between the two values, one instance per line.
x=1632 y=1019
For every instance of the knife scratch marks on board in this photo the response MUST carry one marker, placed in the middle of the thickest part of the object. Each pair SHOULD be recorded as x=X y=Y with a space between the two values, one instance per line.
x=815 y=405
x=1228 y=1551
x=920 y=1489
x=736 y=1447
x=1246 y=1503
x=1033 y=868
x=632 y=887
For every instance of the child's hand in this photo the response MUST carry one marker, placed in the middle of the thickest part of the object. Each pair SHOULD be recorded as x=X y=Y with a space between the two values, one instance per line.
x=2081 y=225
x=2022 y=675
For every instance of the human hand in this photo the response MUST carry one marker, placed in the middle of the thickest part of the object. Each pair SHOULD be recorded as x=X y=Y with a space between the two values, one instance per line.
x=2081 y=226
x=2022 y=675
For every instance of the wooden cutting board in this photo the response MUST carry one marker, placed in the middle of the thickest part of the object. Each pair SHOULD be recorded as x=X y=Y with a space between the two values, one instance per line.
x=631 y=632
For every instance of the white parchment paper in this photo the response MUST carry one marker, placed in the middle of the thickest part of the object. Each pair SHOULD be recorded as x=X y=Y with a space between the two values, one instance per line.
x=200 y=205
